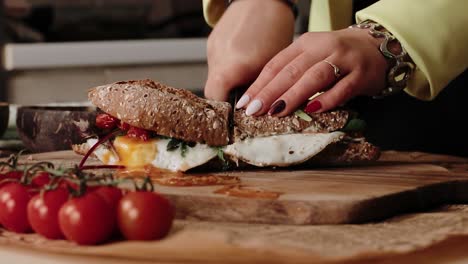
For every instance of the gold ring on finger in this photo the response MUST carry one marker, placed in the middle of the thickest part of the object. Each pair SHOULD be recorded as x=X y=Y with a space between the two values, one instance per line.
x=336 y=70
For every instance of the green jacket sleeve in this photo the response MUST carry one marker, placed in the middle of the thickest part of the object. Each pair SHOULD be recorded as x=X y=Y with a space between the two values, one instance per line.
x=326 y=15
x=434 y=32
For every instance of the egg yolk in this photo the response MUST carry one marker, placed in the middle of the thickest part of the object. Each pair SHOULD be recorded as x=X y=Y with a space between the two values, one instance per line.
x=135 y=153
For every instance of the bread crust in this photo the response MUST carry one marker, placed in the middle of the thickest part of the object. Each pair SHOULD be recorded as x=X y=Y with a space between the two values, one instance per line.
x=168 y=111
x=266 y=125
x=345 y=153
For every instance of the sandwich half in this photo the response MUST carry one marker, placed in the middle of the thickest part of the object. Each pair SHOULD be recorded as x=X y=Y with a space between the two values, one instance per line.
x=145 y=123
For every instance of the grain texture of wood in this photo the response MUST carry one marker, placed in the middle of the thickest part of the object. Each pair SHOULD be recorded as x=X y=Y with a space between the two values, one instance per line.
x=398 y=183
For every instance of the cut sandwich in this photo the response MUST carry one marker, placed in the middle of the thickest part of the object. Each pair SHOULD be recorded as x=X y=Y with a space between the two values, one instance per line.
x=173 y=129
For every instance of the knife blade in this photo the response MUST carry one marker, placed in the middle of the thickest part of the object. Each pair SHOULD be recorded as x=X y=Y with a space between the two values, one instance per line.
x=233 y=97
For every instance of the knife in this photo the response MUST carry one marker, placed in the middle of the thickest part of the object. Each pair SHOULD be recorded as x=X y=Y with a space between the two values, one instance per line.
x=233 y=97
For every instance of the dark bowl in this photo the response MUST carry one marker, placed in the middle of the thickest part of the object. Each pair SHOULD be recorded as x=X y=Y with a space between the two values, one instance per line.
x=4 y=115
x=51 y=128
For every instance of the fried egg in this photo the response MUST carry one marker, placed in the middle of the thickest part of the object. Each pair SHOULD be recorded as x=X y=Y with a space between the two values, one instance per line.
x=281 y=150
x=278 y=150
x=135 y=153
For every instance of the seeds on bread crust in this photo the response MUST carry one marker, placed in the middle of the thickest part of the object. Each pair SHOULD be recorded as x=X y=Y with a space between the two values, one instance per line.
x=266 y=125
x=168 y=111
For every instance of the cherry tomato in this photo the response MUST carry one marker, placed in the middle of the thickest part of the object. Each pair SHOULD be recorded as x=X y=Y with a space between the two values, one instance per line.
x=144 y=216
x=40 y=179
x=136 y=132
x=11 y=175
x=124 y=126
x=14 y=175
x=87 y=219
x=111 y=195
x=106 y=121
x=14 y=198
x=43 y=212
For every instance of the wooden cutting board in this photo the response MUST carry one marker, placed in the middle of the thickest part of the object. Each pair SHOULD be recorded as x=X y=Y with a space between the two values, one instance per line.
x=399 y=182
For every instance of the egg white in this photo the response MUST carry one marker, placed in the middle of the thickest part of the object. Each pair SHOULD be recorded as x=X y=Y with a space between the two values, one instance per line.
x=134 y=154
x=279 y=150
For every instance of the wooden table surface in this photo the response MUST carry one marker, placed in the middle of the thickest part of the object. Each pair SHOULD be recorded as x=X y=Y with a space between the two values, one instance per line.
x=451 y=251
x=253 y=239
x=398 y=182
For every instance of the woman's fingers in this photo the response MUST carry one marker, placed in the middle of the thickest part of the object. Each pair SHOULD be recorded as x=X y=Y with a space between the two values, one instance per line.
x=283 y=81
x=271 y=69
x=217 y=87
x=338 y=95
x=353 y=66
x=222 y=79
x=317 y=78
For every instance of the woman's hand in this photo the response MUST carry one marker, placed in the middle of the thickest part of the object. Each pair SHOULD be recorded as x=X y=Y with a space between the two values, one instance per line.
x=299 y=72
x=247 y=36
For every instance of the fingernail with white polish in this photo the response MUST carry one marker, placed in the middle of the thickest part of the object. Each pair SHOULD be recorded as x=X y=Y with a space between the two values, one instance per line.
x=243 y=101
x=253 y=107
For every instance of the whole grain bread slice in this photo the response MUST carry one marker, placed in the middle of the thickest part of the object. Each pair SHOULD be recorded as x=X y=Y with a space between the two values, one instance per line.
x=266 y=125
x=344 y=153
x=168 y=111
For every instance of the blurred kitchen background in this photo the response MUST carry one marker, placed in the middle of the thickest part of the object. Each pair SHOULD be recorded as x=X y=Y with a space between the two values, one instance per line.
x=54 y=50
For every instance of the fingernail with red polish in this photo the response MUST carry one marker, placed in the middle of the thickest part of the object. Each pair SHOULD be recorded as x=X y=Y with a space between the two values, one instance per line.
x=277 y=107
x=313 y=107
